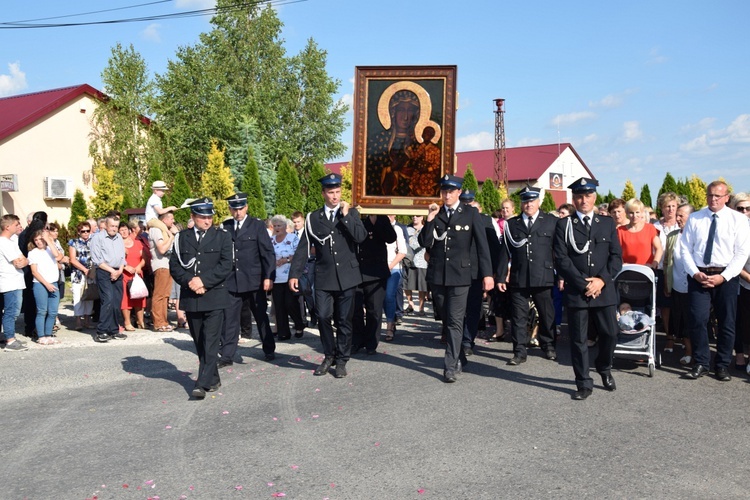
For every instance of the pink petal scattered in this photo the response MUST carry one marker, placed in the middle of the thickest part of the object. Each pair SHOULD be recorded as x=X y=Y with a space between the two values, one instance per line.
x=315 y=416
x=377 y=444
x=317 y=390
x=125 y=486
x=252 y=370
x=275 y=419
x=104 y=486
x=225 y=412
x=269 y=484
x=298 y=419
x=341 y=407
x=238 y=487
x=133 y=394
x=85 y=375
x=191 y=487
x=168 y=427
x=278 y=494
x=420 y=491
x=229 y=370
x=333 y=485
x=294 y=467
x=238 y=377
x=163 y=402
x=183 y=497
x=149 y=482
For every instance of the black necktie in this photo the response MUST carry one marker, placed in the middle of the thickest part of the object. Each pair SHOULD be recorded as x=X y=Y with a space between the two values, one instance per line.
x=450 y=212
x=710 y=242
x=331 y=215
x=236 y=226
x=588 y=226
x=200 y=236
x=529 y=223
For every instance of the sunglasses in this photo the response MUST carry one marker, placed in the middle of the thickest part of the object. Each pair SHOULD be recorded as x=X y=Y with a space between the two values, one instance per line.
x=743 y=209
x=84 y=231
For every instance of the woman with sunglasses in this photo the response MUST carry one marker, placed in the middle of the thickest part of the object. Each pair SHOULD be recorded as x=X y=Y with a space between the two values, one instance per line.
x=741 y=203
x=80 y=261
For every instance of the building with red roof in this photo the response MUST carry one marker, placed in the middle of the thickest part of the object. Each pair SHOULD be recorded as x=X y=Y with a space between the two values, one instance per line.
x=44 y=150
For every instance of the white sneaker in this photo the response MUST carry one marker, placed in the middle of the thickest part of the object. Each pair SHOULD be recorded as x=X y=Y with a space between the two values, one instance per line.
x=686 y=360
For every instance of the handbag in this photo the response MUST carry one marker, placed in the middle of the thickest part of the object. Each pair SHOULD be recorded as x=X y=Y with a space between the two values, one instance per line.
x=305 y=286
x=90 y=290
x=137 y=288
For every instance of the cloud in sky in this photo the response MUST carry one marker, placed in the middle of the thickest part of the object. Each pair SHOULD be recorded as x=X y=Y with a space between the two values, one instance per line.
x=655 y=56
x=737 y=132
x=13 y=82
x=631 y=131
x=151 y=33
x=471 y=142
x=611 y=100
x=572 y=118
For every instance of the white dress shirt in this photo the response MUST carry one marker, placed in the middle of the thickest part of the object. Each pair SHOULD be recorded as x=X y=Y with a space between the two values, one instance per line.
x=731 y=241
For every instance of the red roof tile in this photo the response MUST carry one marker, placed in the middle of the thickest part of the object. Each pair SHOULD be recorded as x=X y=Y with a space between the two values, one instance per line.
x=20 y=111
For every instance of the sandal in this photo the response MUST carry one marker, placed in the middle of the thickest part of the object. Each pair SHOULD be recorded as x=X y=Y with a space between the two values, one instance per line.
x=163 y=329
x=670 y=344
x=129 y=328
x=389 y=334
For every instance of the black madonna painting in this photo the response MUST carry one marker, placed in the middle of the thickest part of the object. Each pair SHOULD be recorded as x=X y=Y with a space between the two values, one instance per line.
x=404 y=134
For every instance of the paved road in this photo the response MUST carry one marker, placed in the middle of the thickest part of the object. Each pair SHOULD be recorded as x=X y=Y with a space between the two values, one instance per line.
x=111 y=421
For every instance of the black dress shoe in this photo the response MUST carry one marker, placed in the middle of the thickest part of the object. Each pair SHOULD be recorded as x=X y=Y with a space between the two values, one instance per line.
x=550 y=354
x=299 y=334
x=214 y=388
x=722 y=374
x=697 y=372
x=608 y=382
x=270 y=356
x=581 y=394
x=467 y=351
x=285 y=337
x=372 y=352
x=102 y=337
x=198 y=392
x=224 y=363
x=516 y=360
x=449 y=377
x=340 y=370
x=324 y=366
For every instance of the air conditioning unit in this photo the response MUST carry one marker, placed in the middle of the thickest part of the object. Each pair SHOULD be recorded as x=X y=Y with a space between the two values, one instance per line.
x=58 y=188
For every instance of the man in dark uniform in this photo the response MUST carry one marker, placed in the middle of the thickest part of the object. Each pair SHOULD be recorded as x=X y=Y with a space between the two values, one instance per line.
x=449 y=233
x=589 y=257
x=527 y=244
x=334 y=230
x=475 y=299
x=249 y=281
x=373 y=264
x=201 y=262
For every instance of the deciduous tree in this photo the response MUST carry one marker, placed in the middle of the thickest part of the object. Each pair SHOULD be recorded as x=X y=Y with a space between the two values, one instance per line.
x=217 y=182
x=108 y=192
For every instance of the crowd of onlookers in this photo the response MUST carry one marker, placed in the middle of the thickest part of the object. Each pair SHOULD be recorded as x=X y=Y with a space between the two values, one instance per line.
x=33 y=269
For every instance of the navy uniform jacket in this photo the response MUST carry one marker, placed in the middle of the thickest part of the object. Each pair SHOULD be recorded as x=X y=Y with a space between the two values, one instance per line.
x=254 y=258
x=603 y=260
x=336 y=264
x=372 y=252
x=531 y=265
x=213 y=263
x=451 y=258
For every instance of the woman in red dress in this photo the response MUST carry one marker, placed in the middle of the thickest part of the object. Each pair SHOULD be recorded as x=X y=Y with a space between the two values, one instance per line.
x=135 y=260
x=639 y=239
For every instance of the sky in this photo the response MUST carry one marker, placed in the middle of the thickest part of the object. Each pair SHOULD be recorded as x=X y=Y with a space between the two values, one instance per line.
x=639 y=88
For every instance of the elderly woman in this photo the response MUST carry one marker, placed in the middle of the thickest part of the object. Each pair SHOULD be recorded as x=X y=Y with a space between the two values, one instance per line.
x=639 y=239
x=284 y=302
x=667 y=204
x=78 y=253
x=135 y=260
x=741 y=203
x=617 y=212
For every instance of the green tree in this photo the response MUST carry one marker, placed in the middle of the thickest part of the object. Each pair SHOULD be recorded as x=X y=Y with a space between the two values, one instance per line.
x=488 y=197
x=107 y=191
x=646 y=196
x=177 y=195
x=120 y=137
x=78 y=211
x=629 y=192
x=515 y=196
x=288 y=195
x=548 y=204
x=346 y=183
x=127 y=200
x=502 y=192
x=251 y=185
x=217 y=182
x=470 y=180
x=314 y=198
x=608 y=197
x=669 y=185
x=696 y=192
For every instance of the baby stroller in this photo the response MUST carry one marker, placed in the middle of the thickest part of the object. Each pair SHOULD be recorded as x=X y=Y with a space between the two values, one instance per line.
x=636 y=285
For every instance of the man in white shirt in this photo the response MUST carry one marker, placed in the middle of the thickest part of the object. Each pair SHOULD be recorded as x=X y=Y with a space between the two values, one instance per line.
x=12 y=282
x=714 y=250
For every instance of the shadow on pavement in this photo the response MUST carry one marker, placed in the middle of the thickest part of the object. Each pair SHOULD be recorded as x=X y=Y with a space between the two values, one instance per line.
x=158 y=369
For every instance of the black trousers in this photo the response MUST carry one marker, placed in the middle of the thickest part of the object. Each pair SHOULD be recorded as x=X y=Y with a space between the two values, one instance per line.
x=256 y=301
x=110 y=295
x=368 y=314
x=450 y=302
x=286 y=304
x=473 y=313
x=605 y=319
x=341 y=304
x=205 y=328
x=542 y=297
x=29 y=303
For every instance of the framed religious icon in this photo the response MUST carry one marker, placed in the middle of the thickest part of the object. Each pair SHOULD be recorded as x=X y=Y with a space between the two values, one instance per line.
x=404 y=135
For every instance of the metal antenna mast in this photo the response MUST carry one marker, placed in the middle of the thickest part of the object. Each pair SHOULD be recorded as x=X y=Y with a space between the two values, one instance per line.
x=501 y=165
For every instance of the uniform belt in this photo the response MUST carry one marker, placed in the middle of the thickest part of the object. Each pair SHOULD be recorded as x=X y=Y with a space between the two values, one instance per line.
x=711 y=270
